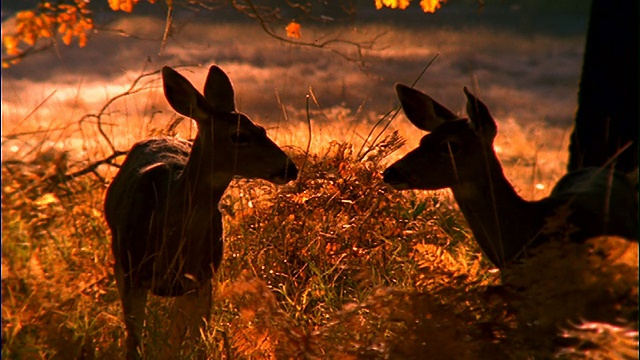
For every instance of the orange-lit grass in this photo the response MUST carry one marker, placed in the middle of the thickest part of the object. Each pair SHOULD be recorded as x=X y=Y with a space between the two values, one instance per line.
x=334 y=265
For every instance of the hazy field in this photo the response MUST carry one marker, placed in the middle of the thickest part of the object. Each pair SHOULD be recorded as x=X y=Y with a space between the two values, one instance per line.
x=336 y=265
x=528 y=79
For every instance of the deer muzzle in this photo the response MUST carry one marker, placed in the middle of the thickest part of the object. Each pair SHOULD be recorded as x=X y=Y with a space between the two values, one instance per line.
x=396 y=179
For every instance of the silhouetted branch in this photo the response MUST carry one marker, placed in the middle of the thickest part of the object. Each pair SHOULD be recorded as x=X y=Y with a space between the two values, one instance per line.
x=60 y=175
x=91 y=168
x=265 y=15
x=12 y=59
x=134 y=88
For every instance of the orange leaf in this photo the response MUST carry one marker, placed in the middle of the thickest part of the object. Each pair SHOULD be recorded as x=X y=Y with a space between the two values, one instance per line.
x=403 y=4
x=29 y=38
x=46 y=199
x=10 y=43
x=124 y=5
x=293 y=30
x=394 y=4
x=66 y=38
x=114 y=5
x=44 y=32
x=127 y=6
x=25 y=15
x=82 y=40
x=430 y=6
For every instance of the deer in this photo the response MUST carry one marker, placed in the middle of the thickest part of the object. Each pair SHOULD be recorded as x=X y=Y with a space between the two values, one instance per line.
x=162 y=205
x=457 y=153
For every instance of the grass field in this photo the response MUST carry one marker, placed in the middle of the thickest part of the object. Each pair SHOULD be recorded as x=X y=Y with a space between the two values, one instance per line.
x=335 y=265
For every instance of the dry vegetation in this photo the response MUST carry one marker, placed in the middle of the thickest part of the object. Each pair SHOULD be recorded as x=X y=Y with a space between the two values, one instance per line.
x=334 y=265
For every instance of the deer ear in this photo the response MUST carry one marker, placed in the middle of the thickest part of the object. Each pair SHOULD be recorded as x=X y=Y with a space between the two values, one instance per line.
x=218 y=90
x=183 y=97
x=480 y=116
x=423 y=112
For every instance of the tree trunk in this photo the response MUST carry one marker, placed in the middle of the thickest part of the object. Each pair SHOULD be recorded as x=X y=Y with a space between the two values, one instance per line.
x=607 y=116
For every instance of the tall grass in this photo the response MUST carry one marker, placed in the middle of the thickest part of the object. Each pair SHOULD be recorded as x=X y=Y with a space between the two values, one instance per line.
x=334 y=265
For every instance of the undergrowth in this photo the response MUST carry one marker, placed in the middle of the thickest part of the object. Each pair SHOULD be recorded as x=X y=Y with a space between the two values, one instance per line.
x=335 y=265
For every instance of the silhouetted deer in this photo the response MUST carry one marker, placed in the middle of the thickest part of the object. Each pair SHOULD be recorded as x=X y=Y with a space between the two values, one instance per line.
x=162 y=205
x=458 y=154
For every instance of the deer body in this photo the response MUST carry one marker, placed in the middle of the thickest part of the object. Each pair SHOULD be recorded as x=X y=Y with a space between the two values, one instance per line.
x=162 y=210
x=458 y=154
x=161 y=243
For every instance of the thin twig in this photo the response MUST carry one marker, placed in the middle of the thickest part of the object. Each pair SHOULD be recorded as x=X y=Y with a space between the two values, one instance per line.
x=27 y=52
x=306 y=153
x=167 y=27
x=15 y=136
x=130 y=91
x=91 y=168
x=395 y=114
x=252 y=11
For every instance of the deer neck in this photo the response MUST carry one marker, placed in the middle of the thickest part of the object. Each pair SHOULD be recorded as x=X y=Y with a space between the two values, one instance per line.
x=190 y=228
x=201 y=180
x=501 y=221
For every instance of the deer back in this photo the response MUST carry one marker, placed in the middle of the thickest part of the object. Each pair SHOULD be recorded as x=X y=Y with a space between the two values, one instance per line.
x=596 y=201
x=162 y=205
x=458 y=153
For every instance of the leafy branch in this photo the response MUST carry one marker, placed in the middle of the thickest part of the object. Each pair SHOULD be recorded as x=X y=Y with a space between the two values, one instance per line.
x=265 y=16
x=40 y=28
x=70 y=19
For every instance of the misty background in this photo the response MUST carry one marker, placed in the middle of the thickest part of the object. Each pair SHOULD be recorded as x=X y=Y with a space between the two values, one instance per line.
x=522 y=58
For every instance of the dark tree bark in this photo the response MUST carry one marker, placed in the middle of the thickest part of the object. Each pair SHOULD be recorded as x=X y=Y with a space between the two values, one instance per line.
x=607 y=116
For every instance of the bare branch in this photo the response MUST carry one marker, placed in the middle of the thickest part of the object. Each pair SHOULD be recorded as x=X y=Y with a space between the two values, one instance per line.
x=130 y=91
x=32 y=50
x=266 y=15
x=91 y=168
x=167 y=27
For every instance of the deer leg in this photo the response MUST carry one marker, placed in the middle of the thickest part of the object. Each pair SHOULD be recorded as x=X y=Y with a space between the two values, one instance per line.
x=134 y=300
x=189 y=315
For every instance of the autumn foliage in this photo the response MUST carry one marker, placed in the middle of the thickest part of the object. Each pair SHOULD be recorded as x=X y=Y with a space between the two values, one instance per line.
x=70 y=19
x=334 y=266
x=428 y=6
x=293 y=30
x=127 y=5
x=52 y=20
